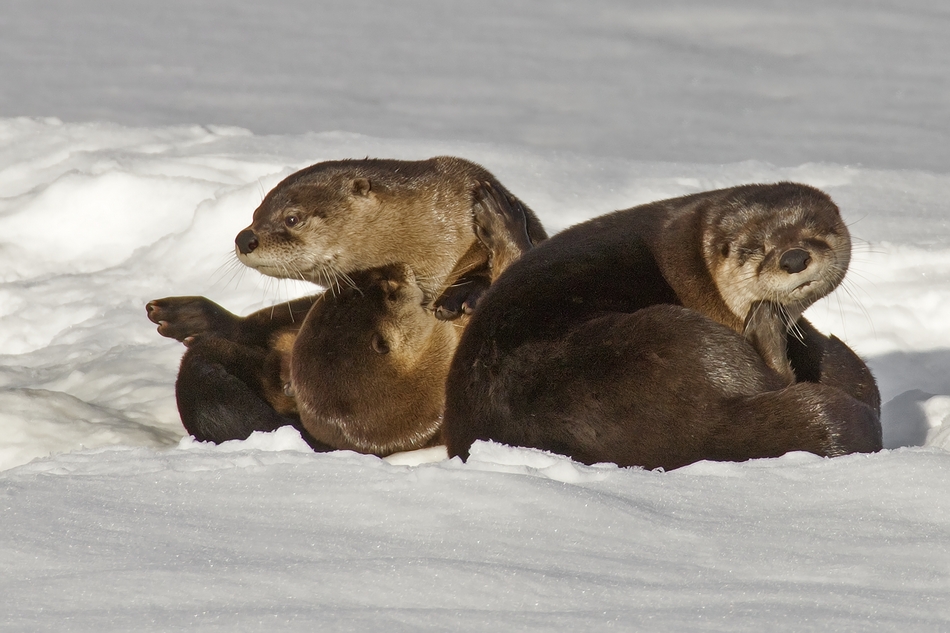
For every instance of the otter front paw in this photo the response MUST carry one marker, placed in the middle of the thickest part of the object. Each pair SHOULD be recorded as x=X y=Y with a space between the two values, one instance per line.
x=501 y=224
x=186 y=318
x=766 y=329
x=461 y=297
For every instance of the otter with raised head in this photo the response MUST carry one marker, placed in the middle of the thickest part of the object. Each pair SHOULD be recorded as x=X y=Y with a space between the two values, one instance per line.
x=333 y=218
x=748 y=259
x=230 y=381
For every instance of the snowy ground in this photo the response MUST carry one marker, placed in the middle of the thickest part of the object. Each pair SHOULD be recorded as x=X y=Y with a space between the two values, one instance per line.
x=128 y=526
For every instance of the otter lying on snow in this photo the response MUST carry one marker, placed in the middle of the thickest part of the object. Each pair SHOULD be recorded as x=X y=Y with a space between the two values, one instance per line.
x=669 y=333
x=362 y=368
x=399 y=243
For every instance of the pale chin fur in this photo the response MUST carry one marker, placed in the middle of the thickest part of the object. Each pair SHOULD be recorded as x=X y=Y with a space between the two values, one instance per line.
x=321 y=276
x=417 y=437
x=741 y=287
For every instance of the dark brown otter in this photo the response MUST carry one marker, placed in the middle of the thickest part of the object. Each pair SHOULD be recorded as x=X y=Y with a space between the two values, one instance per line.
x=660 y=387
x=234 y=377
x=751 y=258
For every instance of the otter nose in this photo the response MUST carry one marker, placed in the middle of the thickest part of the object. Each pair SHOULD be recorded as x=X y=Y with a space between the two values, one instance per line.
x=794 y=260
x=246 y=241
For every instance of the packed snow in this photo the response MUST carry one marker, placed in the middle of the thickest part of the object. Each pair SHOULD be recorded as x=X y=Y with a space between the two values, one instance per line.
x=112 y=520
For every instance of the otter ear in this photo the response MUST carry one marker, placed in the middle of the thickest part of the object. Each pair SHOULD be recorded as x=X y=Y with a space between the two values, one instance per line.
x=361 y=186
x=390 y=286
x=380 y=346
x=403 y=272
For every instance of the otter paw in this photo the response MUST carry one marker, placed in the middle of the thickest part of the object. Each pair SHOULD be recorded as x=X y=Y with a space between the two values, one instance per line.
x=765 y=328
x=185 y=318
x=498 y=217
x=460 y=298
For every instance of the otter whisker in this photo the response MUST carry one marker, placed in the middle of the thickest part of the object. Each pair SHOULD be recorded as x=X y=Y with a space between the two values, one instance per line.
x=333 y=281
x=849 y=289
x=792 y=327
x=350 y=283
x=230 y=273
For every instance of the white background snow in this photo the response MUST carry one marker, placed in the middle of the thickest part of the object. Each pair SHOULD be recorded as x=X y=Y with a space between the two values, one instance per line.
x=136 y=138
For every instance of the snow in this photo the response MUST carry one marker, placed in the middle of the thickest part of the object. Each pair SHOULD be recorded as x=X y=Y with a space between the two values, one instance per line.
x=266 y=535
x=128 y=164
x=681 y=80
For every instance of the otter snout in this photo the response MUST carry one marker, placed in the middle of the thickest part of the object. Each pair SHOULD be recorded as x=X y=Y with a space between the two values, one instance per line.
x=794 y=260
x=246 y=241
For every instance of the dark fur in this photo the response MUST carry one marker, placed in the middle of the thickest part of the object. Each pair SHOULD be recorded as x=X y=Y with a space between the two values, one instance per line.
x=229 y=382
x=547 y=308
x=661 y=387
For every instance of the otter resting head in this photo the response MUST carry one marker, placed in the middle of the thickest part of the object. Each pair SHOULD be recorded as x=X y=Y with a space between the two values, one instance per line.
x=772 y=251
x=789 y=256
x=368 y=366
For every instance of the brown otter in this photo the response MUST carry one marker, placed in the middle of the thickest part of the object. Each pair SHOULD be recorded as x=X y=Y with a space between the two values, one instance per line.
x=751 y=258
x=333 y=218
x=369 y=363
x=230 y=382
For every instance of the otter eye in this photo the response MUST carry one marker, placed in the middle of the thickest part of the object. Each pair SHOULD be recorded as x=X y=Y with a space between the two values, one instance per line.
x=380 y=346
x=291 y=221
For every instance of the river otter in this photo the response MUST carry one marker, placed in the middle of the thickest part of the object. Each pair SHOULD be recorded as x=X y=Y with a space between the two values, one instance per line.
x=333 y=218
x=369 y=363
x=749 y=258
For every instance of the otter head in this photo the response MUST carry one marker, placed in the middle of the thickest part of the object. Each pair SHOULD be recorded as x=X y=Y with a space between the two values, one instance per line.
x=783 y=244
x=315 y=225
x=371 y=362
